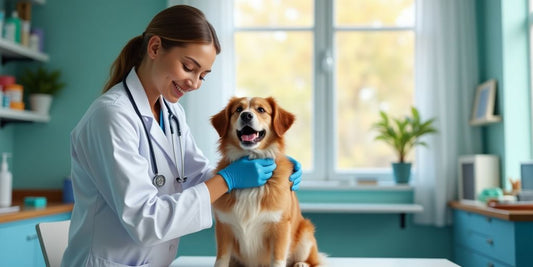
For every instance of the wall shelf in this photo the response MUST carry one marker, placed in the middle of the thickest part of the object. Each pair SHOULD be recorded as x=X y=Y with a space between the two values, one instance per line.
x=365 y=208
x=10 y=115
x=13 y=51
x=490 y=120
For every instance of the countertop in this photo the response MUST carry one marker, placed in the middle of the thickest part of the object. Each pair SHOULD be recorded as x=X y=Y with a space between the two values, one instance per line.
x=54 y=205
x=483 y=209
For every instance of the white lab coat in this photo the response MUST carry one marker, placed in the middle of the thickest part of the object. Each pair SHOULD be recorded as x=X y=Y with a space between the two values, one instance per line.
x=120 y=218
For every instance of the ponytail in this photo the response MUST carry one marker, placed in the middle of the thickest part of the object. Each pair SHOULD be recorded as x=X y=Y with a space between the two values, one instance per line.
x=130 y=56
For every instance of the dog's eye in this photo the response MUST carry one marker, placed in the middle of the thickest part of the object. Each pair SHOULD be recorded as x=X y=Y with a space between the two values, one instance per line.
x=239 y=109
x=260 y=109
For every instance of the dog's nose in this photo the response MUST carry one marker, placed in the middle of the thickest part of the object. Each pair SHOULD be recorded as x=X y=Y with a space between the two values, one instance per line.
x=247 y=116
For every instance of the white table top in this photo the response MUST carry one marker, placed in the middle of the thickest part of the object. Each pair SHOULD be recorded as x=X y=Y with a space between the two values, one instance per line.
x=335 y=262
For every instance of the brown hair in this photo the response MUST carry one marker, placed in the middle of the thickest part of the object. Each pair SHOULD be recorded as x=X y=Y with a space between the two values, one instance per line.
x=178 y=25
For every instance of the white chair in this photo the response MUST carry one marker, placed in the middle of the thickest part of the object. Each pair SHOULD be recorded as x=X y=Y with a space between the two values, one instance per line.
x=53 y=237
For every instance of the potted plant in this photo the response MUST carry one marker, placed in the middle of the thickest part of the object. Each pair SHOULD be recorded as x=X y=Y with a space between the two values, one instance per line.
x=41 y=85
x=403 y=135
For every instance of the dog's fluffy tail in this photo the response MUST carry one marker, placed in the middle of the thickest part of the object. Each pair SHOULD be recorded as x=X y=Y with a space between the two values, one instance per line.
x=322 y=258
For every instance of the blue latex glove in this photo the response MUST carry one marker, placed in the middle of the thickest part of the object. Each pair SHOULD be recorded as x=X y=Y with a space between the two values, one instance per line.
x=246 y=173
x=296 y=176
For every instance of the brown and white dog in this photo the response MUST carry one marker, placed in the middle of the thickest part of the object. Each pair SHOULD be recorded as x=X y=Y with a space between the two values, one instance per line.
x=260 y=226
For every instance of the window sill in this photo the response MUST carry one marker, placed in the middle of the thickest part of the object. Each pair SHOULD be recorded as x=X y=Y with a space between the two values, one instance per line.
x=360 y=208
x=347 y=185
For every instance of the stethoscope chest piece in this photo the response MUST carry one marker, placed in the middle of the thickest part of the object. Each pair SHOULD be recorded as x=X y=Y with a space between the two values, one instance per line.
x=159 y=180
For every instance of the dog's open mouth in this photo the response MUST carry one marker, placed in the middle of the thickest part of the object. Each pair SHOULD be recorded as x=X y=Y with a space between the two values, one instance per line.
x=249 y=136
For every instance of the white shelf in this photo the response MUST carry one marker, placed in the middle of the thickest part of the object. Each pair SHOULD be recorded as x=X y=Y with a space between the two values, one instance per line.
x=12 y=50
x=349 y=185
x=10 y=115
x=490 y=120
x=360 y=208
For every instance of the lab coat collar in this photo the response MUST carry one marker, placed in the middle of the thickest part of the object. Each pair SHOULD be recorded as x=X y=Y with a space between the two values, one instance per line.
x=156 y=133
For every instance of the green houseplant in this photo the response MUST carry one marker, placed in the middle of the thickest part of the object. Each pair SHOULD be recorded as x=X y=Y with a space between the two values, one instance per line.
x=41 y=85
x=403 y=135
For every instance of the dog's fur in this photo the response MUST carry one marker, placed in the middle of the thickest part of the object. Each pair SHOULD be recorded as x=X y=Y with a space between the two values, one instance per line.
x=260 y=226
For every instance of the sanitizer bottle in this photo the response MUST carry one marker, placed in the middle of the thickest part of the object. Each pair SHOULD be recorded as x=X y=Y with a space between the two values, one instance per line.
x=6 y=179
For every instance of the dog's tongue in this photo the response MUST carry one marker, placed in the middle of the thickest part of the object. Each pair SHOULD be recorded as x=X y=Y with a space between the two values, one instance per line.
x=249 y=137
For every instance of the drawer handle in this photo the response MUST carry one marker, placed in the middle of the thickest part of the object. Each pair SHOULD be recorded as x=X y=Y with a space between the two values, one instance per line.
x=31 y=237
x=489 y=219
x=490 y=241
x=490 y=264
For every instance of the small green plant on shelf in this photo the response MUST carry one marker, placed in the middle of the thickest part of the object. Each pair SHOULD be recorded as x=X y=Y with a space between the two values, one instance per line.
x=42 y=81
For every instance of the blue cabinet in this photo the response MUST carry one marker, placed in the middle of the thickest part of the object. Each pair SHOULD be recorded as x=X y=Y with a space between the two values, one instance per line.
x=481 y=240
x=19 y=245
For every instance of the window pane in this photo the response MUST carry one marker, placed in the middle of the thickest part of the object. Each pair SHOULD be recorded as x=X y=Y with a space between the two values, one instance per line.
x=374 y=13
x=374 y=71
x=280 y=64
x=273 y=13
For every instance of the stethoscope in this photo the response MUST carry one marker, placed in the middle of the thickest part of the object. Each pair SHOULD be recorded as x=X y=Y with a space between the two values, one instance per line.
x=159 y=180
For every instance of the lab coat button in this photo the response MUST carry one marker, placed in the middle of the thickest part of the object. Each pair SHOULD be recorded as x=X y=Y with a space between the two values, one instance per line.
x=171 y=248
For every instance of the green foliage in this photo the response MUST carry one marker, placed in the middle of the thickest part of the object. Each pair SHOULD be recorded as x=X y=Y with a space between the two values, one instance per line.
x=42 y=81
x=403 y=135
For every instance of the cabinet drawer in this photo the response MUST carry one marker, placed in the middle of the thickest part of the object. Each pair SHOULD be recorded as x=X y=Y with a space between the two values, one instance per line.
x=489 y=236
x=19 y=244
x=470 y=258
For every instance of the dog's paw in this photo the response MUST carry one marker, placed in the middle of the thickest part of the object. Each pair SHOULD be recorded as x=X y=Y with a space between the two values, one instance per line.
x=301 y=264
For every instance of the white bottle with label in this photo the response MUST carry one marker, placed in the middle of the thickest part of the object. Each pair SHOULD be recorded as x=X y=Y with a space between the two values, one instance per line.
x=6 y=179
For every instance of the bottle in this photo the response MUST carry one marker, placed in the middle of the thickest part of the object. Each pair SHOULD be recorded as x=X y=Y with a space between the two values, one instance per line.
x=25 y=33
x=15 y=93
x=12 y=28
x=2 y=16
x=6 y=179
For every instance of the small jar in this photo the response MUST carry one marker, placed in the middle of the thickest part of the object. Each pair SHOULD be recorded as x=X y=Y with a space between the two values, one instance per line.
x=15 y=94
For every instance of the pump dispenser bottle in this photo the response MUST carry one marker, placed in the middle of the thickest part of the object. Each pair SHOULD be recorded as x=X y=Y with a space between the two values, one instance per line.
x=6 y=179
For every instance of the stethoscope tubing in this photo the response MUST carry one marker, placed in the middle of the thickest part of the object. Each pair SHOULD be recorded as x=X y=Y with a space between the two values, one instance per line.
x=171 y=117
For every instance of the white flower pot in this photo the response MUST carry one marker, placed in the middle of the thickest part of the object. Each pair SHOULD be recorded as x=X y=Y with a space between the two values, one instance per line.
x=40 y=103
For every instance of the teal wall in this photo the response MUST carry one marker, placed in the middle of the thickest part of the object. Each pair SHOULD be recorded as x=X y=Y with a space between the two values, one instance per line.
x=355 y=235
x=503 y=54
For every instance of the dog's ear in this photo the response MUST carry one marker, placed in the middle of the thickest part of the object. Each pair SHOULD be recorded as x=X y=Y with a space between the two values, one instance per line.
x=220 y=122
x=281 y=119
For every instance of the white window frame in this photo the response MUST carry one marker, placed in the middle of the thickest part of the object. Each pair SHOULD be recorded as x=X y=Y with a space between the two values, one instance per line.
x=324 y=148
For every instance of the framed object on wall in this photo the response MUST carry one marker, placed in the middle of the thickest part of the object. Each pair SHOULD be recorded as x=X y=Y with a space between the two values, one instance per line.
x=484 y=101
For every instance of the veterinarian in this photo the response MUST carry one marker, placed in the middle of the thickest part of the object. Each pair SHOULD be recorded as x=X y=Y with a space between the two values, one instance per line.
x=140 y=182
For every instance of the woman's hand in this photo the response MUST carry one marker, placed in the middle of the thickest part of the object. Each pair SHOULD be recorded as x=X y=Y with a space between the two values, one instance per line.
x=246 y=173
x=296 y=176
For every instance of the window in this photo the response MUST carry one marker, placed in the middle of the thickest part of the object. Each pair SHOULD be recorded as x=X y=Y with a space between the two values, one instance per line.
x=334 y=64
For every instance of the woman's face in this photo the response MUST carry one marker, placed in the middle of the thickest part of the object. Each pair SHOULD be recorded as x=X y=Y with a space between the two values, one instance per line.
x=180 y=70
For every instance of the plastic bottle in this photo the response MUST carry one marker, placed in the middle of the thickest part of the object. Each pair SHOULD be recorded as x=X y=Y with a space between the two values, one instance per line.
x=25 y=33
x=15 y=93
x=6 y=179
x=2 y=17
x=12 y=28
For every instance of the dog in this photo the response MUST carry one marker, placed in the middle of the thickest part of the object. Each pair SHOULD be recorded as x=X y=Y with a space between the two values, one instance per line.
x=260 y=226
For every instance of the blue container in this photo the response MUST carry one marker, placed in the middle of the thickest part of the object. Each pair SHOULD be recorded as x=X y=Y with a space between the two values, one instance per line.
x=68 y=194
x=401 y=172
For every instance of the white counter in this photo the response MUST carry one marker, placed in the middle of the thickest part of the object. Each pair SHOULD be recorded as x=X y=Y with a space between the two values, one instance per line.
x=335 y=262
